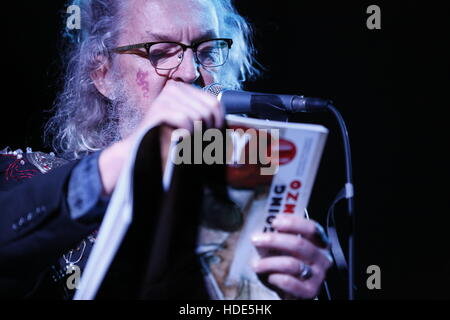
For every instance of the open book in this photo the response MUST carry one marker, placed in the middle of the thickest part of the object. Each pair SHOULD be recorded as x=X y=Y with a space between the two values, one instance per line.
x=280 y=182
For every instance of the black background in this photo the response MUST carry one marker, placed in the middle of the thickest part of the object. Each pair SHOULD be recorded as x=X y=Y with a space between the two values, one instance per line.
x=389 y=84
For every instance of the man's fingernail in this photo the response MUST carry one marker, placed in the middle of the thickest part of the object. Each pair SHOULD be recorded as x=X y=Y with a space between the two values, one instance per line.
x=321 y=236
x=255 y=265
x=258 y=238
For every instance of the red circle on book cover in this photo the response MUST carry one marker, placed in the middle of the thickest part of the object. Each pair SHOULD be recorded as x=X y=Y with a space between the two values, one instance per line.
x=249 y=175
x=287 y=151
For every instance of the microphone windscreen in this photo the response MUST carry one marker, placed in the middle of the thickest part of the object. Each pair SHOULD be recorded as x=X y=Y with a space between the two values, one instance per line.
x=214 y=88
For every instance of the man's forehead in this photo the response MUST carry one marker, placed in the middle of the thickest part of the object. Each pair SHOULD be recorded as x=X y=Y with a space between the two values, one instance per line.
x=162 y=19
x=164 y=36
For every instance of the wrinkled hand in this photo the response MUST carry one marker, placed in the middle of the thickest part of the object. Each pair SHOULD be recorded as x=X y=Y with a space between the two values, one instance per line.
x=178 y=105
x=299 y=244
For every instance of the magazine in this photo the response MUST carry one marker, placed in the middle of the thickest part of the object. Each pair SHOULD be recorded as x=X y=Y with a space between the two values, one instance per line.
x=227 y=257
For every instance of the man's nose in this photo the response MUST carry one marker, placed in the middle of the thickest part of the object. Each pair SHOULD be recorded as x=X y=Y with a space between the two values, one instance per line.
x=187 y=71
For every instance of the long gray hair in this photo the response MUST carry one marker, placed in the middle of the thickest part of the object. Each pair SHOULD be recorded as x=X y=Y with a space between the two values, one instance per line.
x=83 y=119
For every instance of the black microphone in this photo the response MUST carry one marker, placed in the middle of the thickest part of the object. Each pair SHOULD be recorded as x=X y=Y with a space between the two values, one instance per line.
x=235 y=101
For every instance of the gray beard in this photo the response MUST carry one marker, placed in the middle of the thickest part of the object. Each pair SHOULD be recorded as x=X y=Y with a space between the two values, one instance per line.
x=124 y=116
x=129 y=116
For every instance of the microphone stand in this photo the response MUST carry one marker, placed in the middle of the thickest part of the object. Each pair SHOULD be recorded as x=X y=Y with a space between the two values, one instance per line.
x=349 y=192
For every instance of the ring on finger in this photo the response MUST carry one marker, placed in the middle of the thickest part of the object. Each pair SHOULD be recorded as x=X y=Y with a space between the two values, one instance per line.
x=305 y=271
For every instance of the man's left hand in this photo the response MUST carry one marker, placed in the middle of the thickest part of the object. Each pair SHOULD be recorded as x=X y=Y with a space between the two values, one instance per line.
x=302 y=259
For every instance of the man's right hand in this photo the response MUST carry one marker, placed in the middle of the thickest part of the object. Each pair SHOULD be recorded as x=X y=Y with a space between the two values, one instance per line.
x=177 y=106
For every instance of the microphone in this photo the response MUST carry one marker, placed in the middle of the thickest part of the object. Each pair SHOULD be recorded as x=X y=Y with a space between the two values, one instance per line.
x=235 y=101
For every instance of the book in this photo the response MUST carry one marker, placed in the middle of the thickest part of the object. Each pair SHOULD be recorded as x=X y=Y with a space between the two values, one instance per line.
x=261 y=197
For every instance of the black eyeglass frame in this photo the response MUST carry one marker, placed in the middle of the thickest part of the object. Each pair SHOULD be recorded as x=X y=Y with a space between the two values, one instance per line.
x=131 y=49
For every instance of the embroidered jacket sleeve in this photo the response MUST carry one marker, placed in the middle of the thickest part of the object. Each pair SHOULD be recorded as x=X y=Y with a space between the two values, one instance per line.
x=36 y=223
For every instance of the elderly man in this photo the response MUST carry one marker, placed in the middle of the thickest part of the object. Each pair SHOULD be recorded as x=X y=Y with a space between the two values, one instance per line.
x=139 y=63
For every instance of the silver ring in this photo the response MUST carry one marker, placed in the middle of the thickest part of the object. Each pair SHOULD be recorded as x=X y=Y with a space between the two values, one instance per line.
x=305 y=272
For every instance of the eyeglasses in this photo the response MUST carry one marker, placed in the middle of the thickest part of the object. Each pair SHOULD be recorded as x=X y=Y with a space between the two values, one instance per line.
x=169 y=55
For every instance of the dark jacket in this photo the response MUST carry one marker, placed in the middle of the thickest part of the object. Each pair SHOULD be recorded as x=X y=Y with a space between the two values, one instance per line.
x=35 y=224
